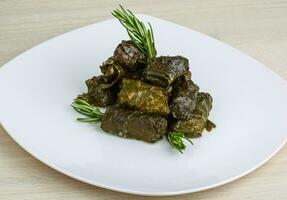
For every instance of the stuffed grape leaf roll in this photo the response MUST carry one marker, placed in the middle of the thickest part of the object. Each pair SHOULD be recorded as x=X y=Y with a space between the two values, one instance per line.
x=129 y=56
x=112 y=73
x=183 y=98
x=143 y=96
x=97 y=95
x=133 y=74
x=194 y=126
x=133 y=124
x=162 y=71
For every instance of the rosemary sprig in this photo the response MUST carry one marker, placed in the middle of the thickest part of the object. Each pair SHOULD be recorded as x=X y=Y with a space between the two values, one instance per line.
x=93 y=113
x=176 y=140
x=140 y=35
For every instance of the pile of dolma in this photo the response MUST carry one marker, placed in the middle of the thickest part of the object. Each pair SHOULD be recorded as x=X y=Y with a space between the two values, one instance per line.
x=147 y=98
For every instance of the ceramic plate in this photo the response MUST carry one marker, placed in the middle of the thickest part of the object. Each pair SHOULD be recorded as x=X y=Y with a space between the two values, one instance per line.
x=249 y=109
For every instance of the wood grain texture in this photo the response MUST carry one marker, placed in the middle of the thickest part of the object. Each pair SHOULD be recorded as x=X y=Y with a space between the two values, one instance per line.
x=257 y=27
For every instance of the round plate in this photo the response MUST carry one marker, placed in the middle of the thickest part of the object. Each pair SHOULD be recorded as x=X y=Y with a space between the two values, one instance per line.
x=249 y=109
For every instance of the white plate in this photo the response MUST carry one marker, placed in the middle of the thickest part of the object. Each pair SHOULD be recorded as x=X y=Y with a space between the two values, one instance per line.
x=250 y=109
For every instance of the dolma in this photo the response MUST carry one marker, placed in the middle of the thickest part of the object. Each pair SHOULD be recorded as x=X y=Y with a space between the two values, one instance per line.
x=133 y=124
x=194 y=126
x=143 y=96
x=162 y=71
x=98 y=96
x=183 y=98
x=112 y=72
x=129 y=56
x=133 y=74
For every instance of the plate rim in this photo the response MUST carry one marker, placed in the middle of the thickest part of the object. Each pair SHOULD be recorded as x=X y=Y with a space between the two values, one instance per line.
x=131 y=191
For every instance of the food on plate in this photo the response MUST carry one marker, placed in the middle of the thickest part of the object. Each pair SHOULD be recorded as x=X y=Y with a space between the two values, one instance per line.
x=194 y=125
x=130 y=56
x=142 y=96
x=134 y=124
x=163 y=70
x=98 y=95
x=146 y=96
x=183 y=99
x=112 y=71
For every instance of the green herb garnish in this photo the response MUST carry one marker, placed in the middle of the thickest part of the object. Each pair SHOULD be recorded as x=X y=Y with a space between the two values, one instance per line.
x=176 y=140
x=93 y=113
x=140 y=35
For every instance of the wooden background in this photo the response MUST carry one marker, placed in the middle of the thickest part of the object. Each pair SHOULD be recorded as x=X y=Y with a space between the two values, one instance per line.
x=257 y=27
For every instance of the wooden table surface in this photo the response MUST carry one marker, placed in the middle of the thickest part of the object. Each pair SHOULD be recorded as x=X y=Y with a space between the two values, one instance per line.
x=257 y=27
